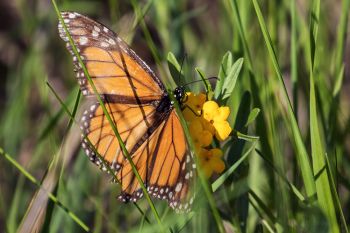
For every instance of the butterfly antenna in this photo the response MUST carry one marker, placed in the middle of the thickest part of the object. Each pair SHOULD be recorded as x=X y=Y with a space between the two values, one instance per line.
x=211 y=78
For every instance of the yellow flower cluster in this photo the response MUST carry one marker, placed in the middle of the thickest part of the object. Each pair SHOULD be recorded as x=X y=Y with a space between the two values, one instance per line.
x=206 y=120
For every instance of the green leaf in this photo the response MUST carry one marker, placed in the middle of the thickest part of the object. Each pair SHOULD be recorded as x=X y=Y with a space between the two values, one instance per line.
x=252 y=116
x=208 y=88
x=231 y=78
x=174 y=67
x=226 y=64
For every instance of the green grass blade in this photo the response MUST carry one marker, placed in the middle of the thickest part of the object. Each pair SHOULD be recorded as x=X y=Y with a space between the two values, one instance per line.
x=221 y=180
x=11 y=221
x=292 y=187
x=341 y=36
x=207 y=85
x=335 y=195
x=318 y=156
x=293 y=56
x=237 y=18
x=301 y=154
x=175 y=68
x=252 y=116
x=53 y=198
x=323 y=187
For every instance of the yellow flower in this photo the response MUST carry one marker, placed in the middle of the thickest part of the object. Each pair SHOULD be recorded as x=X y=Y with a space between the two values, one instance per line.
x=194 y=105
x=210 y=161
x=216 y=117
x=200 y=136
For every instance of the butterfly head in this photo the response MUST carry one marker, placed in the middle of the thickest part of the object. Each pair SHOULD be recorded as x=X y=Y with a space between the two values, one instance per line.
x=179 y=94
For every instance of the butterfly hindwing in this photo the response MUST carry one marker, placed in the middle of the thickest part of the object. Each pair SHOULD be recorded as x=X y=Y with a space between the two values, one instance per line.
x=172 y=172
x=164 y=162
x=133 y=125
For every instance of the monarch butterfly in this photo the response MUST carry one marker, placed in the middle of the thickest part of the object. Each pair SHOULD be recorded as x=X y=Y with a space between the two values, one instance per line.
x=139 y=106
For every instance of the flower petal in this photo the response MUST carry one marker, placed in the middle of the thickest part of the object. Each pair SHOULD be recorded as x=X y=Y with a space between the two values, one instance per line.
x=188 y=114
x=209 y=110
x=206 y=138
x=195 y=127
x=217 y=165
x=222 y=114
x=208 y=126
x=207 y=170
x=217 y=153
x=223 y=130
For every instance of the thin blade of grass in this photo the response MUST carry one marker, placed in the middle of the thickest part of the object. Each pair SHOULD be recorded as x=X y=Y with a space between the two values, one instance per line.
x=341 y=36
x=293 y=56
x=263 y=210
x=323 y=188
x=236 y=17
x=208 y=88
x=53 y=198
x=301 y=154
x=252 y=116
x=174 y=67
x=221 y=180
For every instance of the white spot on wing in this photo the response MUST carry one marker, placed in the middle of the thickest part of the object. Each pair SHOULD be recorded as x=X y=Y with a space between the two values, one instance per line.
x=178 y=187
x=104 y=44
x=83 y=40
x=97 y=29
x=71 y=15
x=111 y=41
x=92 y=108
x=94 y=33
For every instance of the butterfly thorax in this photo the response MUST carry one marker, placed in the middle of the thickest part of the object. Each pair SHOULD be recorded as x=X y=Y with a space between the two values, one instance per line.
x=166 y=104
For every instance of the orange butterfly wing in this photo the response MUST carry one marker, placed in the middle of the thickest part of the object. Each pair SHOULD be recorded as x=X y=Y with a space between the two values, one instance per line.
x=114 y=68
x=163 y=160
x=132 y=126
x=141 y=110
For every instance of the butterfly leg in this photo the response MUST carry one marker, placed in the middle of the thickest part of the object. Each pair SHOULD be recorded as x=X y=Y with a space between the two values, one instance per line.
x=184 y=106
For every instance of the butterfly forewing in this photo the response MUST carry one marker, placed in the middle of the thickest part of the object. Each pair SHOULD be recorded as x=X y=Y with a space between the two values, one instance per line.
x=140 y=108
x=114 y=68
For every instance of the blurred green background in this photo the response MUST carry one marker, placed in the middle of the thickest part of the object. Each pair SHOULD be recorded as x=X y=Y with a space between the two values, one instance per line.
x=295 y=178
